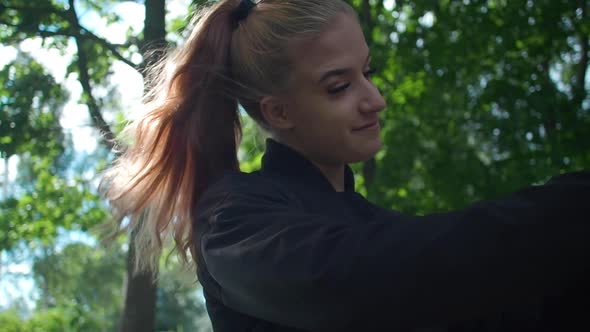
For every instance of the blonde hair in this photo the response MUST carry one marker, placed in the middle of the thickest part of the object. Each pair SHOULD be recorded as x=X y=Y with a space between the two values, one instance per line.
x=190 y=132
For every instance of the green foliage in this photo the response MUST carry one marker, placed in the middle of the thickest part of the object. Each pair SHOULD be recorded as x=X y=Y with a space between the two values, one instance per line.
x=51 y=203
x=80 y=290
x=55 y=189
x=83 y=282
x=252 y=145
x=43 y=199
x=58 y=319
x=30 y=106
x=51 y=320
x=10 y=321
x=178 y=306
x=484 y=98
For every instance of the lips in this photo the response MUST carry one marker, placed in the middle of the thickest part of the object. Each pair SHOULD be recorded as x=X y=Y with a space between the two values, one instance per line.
x=370 y=125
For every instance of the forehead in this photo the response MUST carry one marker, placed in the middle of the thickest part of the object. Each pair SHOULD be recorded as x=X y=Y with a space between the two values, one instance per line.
x=340 y=45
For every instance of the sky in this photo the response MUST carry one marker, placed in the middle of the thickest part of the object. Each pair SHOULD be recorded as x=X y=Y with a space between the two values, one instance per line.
x=75 y=119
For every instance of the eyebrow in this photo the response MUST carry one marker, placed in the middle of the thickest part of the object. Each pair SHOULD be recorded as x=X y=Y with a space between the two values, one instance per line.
x=339 y=71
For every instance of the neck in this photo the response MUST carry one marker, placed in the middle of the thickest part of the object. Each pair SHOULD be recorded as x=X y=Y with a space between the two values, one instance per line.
x=334 y=174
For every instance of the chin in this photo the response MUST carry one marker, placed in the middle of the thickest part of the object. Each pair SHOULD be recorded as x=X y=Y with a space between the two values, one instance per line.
x=366 y=151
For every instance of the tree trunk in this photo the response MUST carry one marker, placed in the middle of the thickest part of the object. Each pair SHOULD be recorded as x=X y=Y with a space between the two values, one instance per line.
x=154 y=33
x=140 y=298
x=6 y=176
x=369 y=166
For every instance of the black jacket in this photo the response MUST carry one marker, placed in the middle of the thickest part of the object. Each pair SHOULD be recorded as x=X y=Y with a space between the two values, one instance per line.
x=280 y=250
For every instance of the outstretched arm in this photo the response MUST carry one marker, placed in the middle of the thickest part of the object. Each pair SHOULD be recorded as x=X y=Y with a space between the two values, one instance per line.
x=316 y=273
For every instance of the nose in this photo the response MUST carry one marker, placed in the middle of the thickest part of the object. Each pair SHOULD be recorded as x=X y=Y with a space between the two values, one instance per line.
x=372 y=101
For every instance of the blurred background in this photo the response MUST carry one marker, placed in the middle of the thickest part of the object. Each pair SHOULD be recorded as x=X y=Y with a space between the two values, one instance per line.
x=484 y=97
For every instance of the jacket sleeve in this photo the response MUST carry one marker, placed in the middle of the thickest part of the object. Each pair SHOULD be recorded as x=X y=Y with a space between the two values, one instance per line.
x=316 y=273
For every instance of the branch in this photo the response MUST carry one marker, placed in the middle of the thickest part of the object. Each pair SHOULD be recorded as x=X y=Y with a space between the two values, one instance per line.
x=44 y=9
x=367 y=16
x=107 y=136
x=65 y=32
x=80 y=35
x=2 y=105
x=578 y=88
x=109 y=46
x=369 y=166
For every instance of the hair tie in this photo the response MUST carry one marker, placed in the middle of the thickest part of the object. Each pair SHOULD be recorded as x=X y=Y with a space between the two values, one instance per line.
x=242 y=11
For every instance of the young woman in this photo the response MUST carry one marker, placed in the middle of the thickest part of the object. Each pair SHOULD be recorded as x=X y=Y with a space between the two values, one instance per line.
x=292 y=247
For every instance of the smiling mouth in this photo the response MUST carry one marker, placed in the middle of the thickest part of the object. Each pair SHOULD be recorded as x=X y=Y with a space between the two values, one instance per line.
x=368 y=126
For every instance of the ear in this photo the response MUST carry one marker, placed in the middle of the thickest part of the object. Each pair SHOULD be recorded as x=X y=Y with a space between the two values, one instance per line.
x=276 y=113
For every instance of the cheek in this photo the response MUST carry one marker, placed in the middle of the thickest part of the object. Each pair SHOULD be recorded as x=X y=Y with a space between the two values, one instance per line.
x=304 y=109
x=325 y=115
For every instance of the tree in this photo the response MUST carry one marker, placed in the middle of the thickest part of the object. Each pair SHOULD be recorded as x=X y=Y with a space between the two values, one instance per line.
x=84 y=281
x=178 y=306
x=58 y=22
x=31 y=103
x=11 y=321
x=484 y=98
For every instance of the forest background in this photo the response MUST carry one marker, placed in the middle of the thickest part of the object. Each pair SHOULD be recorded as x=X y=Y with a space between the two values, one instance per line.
x=484 y=97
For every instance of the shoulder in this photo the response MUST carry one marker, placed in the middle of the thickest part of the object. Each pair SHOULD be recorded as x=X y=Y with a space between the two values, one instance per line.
x=244 y=190
x=240 y=183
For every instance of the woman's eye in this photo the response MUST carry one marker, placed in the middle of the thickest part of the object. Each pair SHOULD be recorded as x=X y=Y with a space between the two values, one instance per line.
x=339 y=89
x=343 y=87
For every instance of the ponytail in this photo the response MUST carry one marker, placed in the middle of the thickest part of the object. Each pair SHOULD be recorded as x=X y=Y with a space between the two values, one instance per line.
x=185 y=141
x=190 y=133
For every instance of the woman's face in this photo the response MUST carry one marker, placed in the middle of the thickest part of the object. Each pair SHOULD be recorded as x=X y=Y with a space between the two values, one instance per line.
x=332 y=102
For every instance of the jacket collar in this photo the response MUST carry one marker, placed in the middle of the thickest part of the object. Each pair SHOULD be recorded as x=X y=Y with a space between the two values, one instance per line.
x=283 y=160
